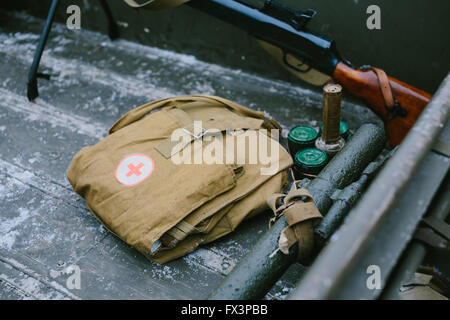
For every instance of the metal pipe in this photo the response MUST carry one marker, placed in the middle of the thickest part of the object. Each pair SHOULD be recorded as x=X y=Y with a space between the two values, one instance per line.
x=258 y=271
x=341 y=206
x=32 y=89
x=375 y=208
x=344 y=201
x=113 y=28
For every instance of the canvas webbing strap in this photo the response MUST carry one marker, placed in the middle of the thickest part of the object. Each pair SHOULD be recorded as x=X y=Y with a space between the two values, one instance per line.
x=431 y=238
x=442 y=147
x=140 y=112
x=155 y=4
x=301 y=213
x=436 y=233
x=182 y=229
x=438 y=226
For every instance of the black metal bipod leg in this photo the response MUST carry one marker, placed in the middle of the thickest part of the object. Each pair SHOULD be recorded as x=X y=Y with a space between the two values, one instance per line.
x=113 y=28
x=32 y=88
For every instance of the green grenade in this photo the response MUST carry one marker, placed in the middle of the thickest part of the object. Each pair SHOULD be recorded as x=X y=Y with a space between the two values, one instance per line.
x=301 y=137
x=309 y=162
x=343 y=129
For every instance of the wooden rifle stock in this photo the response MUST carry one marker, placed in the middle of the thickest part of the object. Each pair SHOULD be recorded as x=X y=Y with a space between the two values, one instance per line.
x=365 y=84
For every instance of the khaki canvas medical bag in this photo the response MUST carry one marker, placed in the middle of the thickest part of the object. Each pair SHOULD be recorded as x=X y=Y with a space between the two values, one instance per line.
x=134 y=183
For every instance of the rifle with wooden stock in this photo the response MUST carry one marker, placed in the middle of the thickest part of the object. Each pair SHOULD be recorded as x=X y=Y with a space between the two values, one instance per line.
x=315 y=59
x=309 y=56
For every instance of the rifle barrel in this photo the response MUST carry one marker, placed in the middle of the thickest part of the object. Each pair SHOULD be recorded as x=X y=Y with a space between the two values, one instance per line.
x=319 y=51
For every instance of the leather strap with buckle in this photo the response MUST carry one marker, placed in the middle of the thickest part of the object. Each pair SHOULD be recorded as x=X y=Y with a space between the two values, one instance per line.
x=393 y=107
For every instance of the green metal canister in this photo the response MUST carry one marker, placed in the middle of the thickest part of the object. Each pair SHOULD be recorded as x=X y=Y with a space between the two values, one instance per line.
x=301 y=137
x=309 y=162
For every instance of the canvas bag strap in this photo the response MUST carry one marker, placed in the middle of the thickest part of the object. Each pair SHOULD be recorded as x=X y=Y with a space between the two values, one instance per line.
x=139 y=112
x=268 y=123
x=302 y=215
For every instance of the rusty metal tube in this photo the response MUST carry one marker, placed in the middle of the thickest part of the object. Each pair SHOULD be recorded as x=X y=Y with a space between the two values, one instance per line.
x=331 y=113
x=330 y=140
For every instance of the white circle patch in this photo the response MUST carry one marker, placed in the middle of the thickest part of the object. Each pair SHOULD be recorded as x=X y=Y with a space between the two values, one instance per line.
x=134 y=169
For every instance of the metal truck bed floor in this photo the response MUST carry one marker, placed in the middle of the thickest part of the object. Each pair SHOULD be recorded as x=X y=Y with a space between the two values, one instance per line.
x=44 y=226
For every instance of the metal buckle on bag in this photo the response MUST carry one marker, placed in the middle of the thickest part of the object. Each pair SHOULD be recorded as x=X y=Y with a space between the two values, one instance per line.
x=168 y=148
x=196 y=137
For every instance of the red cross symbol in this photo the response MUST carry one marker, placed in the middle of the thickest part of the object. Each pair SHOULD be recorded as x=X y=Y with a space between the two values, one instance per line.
x=134 y=169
